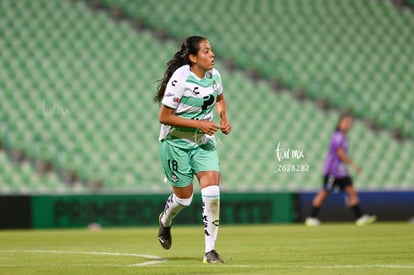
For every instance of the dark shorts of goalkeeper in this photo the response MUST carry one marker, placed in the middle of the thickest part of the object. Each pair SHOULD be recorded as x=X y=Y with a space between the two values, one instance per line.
x=331 y=184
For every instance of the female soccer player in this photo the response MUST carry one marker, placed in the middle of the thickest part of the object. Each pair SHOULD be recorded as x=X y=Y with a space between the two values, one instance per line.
x=190 y=89
x=336 y=175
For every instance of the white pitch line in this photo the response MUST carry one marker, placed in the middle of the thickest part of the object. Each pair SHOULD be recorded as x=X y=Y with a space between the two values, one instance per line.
x=156 y=260
x=149 y=263
x=153 y=259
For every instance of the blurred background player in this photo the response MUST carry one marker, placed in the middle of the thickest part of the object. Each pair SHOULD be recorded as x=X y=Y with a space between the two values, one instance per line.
x=190 y=89
x=336 y=175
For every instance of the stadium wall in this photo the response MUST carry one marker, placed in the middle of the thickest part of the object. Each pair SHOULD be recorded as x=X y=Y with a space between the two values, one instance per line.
x=70 y=211
x=386 y=205
x=15 y=212
x=77 y=211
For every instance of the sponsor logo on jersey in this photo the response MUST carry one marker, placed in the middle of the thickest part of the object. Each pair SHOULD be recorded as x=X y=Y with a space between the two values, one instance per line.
x=195 y=91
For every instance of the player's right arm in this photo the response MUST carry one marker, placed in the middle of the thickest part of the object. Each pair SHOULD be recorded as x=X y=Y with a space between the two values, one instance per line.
x=167 y=116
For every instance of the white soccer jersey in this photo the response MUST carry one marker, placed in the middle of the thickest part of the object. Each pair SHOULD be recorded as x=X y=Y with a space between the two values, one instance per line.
x=191 y=98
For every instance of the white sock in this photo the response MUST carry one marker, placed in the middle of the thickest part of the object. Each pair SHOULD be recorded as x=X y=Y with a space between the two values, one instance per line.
x=210 y=196
x=172 y=207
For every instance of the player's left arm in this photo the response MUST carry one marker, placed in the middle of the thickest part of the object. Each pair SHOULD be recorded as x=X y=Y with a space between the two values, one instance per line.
x=221 y=110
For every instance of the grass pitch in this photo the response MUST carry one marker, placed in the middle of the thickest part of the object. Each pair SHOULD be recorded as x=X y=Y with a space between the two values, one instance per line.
x=382 y=248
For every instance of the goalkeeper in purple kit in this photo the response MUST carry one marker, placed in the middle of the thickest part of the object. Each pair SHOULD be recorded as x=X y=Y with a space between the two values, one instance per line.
x=336 y=175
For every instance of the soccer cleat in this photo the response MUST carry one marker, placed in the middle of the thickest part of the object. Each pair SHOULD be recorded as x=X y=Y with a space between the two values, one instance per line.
x=312 y=221
x=366 y=219
x=212 y=257
x=164 y=235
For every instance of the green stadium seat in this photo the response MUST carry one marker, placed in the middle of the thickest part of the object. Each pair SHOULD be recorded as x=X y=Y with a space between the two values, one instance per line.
x=105 y=77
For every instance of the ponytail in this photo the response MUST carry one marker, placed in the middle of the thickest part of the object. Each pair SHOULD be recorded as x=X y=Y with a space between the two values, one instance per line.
x=190 y=46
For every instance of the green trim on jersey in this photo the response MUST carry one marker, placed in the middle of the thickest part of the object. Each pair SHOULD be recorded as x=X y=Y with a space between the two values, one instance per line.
x=204 y=82
x=198 y=102
x=191 y=98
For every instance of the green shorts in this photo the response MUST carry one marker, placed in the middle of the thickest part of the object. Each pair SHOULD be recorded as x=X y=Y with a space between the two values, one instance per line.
x=180 y=164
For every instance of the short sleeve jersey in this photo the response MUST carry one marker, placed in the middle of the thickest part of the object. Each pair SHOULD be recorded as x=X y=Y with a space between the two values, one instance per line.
x=333 y=165
x=191 y=98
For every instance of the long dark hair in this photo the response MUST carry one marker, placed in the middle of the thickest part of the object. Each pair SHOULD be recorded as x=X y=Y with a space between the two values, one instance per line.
x=190 y=46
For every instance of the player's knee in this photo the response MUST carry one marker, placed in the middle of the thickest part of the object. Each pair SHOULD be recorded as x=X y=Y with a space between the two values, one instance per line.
x=184 y=202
